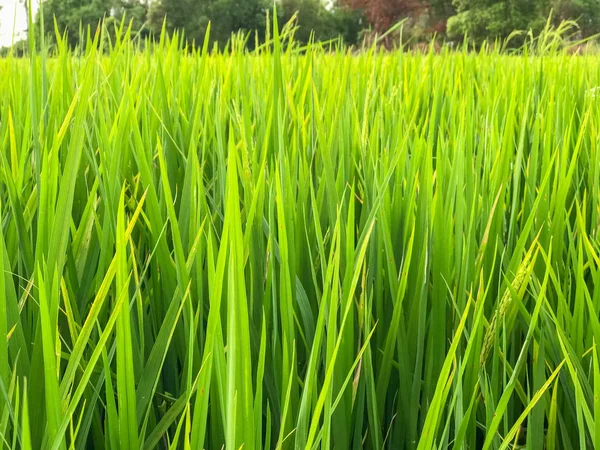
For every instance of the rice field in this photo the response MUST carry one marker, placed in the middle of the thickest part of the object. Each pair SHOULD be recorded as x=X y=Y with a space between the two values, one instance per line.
x=298 y=249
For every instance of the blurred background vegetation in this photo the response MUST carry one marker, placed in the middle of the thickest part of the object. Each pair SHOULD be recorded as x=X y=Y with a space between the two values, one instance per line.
x=351 y=21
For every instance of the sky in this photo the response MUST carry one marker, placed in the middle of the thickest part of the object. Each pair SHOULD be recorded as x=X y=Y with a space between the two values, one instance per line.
x=12 y=17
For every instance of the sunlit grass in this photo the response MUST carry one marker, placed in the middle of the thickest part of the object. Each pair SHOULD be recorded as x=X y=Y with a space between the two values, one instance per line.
x=298 y=248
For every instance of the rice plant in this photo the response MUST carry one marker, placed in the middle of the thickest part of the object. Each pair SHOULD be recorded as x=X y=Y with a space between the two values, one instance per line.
x=298 y=248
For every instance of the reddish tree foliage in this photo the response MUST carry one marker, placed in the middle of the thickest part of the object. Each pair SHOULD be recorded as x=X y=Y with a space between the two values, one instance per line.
x=382 y=14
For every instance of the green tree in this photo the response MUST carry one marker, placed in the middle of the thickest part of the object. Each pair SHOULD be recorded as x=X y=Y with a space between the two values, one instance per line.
x=348 y=23
x=324 y=23
x=484 y=19
x=231 y=16
x=188 y=15
x=311 y=16
x=75 y=16
x=225 y=16
x=585 y=12
x=135 y=11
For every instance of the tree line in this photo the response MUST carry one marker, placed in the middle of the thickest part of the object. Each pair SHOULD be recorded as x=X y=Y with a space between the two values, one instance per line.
x=323 y=20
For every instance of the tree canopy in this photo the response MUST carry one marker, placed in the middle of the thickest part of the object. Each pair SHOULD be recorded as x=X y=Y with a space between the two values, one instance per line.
x=322 y=19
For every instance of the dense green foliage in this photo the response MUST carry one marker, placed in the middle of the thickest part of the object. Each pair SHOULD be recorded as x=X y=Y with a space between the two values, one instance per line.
x=312 y=19
x=230 y=16
x=298 y=250
x=320 y=19
x=226 y=17
x=76 y=17
x=483 y=19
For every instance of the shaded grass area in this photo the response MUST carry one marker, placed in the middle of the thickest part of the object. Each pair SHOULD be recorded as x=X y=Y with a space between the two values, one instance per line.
x=292 y=249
